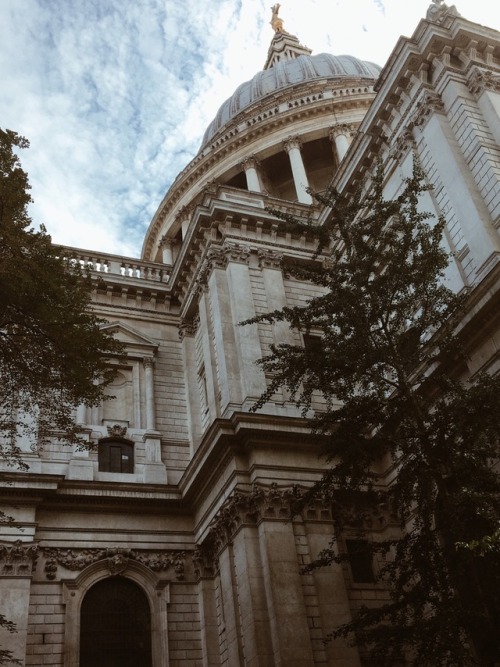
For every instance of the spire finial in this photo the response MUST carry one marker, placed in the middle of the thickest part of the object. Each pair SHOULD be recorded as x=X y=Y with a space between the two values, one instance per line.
x=276 y=21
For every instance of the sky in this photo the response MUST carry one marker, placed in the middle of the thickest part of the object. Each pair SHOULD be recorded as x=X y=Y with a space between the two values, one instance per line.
x=115 y=95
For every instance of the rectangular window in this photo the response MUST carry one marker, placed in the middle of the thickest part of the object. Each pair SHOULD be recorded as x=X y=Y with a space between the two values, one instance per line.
x=116 y=456
x=202 y=382
x=361 y=561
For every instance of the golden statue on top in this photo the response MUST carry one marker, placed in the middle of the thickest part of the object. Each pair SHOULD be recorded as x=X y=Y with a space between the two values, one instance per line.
x=276 y=21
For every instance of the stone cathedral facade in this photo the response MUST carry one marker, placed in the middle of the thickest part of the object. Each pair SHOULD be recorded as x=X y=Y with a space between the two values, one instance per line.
x=169 y=542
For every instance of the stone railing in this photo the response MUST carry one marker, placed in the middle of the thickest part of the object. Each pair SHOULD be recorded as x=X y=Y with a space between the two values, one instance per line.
x=111 y=266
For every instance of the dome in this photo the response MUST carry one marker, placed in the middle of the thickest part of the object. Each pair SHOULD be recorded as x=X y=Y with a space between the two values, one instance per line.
x=288 y=73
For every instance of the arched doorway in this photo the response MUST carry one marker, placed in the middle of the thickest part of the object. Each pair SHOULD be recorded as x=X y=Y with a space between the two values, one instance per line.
x=115 y=625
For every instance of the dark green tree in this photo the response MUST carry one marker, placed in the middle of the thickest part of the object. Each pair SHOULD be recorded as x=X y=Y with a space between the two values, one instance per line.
x=53 y=352
x=405 y=429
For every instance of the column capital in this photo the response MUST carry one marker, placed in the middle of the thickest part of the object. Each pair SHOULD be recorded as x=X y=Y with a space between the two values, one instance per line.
x=188 y=327
x=342 y=129
x=479 y=80
x=166 y=241
x=148 y=362
x=184 y=212
x=292 y=142
x=429 y=105
x=250 y=162
x=236 y=252
x=270 y=259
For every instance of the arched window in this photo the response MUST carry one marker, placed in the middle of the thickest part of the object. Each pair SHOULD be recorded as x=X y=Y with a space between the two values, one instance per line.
x=115 y=625
x=115 y=455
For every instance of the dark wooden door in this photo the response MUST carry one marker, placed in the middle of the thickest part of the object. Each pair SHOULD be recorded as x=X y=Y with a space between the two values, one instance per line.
x=115 y=628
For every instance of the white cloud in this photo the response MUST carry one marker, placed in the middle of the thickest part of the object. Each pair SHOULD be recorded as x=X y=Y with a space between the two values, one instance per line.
x=115 y=95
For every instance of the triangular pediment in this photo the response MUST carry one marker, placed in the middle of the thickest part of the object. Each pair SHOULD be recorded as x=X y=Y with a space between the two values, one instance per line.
x=134 y=340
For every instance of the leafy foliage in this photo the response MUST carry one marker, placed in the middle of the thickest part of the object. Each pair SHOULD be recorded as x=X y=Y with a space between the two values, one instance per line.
x=53 y=353
x=404 y=431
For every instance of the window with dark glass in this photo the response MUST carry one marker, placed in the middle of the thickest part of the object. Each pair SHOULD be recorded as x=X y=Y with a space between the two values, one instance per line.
x=361 y=561
x=313 y=342
x=116 y=456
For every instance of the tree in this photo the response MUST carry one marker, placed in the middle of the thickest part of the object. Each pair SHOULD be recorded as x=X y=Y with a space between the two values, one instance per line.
x=411 y=434
x=53 y=353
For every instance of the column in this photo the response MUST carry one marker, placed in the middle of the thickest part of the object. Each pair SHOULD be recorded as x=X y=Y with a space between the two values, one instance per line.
x=149 y=391
x=250 y=165
x=16 y=566
x=248 y=348
x=154 y=469
x=232 y=618
x=187 y=333
x=455 y=188
x=252 y=602
x=184 y=217
x=223 y=327
x=292 y=147
x=285 y=598
x=340 y=135
x=166 y=245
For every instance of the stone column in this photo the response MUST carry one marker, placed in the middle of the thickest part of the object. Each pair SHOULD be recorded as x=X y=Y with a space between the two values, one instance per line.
x=252 y=599
x=270 y=263
x=285 y=598
x=167 y=245
x=235 y=655
x=250 y=165
x=149 y=391
x=16 y=565
x=184 y=216
x=223 y=327
x=340 y=135
x=187 y=333
x=292 y=147
x=248 y=348
x=154 y=468
x=205 y=571
x=456 y=190
x=81 y=414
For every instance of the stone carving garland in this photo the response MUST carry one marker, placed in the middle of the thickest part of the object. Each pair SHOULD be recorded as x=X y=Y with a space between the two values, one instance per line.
x=18 y=559
x=117 y=560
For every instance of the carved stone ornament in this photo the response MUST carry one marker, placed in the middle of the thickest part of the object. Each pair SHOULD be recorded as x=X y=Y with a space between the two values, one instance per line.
x=189 y=327
x=235 y=252
x=250 y=162
x=185 y=212
x=215 y=258
x=271 y=502
x=403 y=144
x=428 y=105
x=117 y=560
x=480 y=80
x=148 y=362
x=270 y=259
x=438 y=11
x=18 y=558
x=292 y=142
x=166 y=242
x=117 y=431
x=341 y=129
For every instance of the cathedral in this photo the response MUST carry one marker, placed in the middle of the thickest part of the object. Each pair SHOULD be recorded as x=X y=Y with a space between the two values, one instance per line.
x=169 y=542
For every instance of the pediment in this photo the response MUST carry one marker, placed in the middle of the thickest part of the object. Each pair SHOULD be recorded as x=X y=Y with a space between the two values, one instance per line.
x=134 y=341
